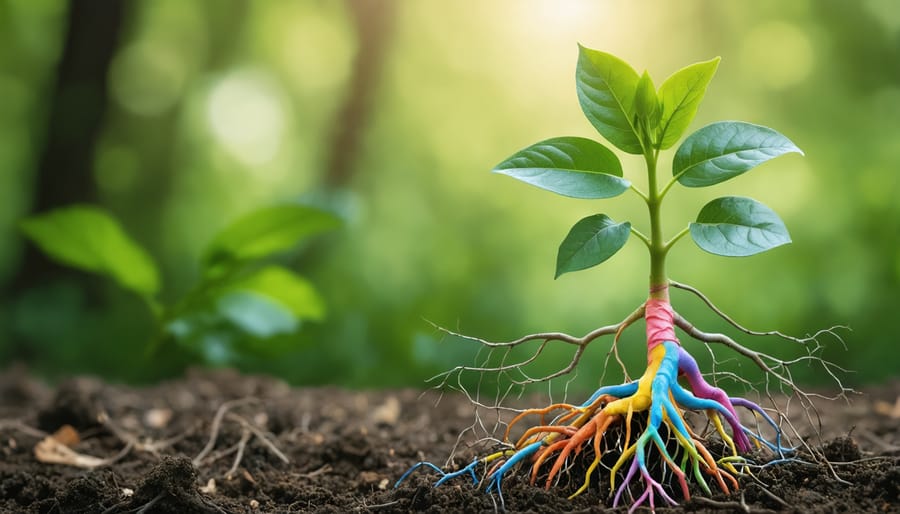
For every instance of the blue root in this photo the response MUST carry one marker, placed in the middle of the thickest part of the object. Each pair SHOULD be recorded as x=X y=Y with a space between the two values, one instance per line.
x=494 y=482
x=470 y=469
x=666 y=380
x=496 y=479
x=619 y=391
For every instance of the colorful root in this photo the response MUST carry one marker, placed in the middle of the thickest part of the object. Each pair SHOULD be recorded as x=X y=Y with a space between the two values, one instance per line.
x=550 y=447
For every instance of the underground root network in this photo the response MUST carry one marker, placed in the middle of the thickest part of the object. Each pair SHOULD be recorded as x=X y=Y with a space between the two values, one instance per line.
x=656 y=403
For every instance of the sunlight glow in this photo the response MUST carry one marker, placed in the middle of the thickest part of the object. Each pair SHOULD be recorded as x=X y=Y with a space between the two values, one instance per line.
x=245 y=112
x=564 y=15
x=779 y=53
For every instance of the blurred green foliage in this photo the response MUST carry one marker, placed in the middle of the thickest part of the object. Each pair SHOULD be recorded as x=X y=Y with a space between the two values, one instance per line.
x=241 y=300
x=215 y=108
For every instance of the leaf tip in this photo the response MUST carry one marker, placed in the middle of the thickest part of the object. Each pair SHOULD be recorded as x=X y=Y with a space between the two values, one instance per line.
x=559 y=271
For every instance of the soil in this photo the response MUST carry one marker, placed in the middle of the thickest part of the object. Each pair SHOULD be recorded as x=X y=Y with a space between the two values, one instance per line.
x=223 y=442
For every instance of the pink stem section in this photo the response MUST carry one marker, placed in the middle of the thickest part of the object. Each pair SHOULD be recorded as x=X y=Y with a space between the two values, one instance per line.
x=661 y=328
x=660 y=322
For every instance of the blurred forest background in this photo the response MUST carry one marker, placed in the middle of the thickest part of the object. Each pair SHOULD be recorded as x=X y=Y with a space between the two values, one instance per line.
x=180 y=116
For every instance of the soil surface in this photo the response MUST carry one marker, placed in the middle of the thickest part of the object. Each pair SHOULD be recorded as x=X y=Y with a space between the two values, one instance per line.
x=222 y=442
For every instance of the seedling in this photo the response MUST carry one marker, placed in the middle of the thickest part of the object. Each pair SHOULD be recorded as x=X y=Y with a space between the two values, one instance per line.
x=657 y=451
x=243 y=295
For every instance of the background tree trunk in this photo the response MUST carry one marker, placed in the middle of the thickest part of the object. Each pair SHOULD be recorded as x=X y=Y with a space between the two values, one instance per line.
x=372 y=20
x=78 y=104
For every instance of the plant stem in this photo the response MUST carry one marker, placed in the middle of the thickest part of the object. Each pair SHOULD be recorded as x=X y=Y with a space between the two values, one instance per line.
x=657 y=247
x=678 y=236
x=638 y=192
x=642 y=237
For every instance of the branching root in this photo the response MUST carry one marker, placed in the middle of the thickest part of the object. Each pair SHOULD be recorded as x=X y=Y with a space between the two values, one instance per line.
x=636 y=433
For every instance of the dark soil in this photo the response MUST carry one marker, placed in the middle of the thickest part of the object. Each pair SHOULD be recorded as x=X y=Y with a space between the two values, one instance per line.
x=345 y=450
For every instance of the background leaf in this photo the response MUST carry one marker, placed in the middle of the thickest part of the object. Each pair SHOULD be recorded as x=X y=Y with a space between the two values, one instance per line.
x=570 y=166
x=90 y=239
x=242 y=316
x=680 y=96
x=591 y=241
x=256 y=314
x=270 y=301
x=287 y=288
x=266 y=231
x=606 y=88
x=720 y=151
x=735 y=226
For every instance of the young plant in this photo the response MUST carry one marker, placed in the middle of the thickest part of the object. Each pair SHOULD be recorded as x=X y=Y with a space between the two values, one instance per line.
x=635 y=117
x=241 y=297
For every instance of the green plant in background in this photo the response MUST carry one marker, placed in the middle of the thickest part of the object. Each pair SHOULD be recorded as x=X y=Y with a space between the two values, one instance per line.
x=656 y=453
x=242 y=296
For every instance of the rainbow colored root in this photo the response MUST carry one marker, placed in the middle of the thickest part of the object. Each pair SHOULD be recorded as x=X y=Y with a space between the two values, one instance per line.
x=548 y=447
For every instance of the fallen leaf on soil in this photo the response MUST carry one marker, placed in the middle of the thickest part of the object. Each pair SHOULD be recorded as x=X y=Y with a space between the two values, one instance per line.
x=369 y=477
x=883 y=407
x=210 y=487
x=157 y=418
x=67 y=435
x=54 y=449
x=261 y=419
x=388 y=412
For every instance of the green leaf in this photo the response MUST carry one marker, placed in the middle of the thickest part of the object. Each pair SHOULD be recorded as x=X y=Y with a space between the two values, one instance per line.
x=286 y=288
x=266 y=231
x=569 y=166
x=680 y=96
x=256 y=314
x=723 y=150
x=591 y=241
x=735 y=226
x=270 y=301
x=646 y=104
x=90 y=239
x=606 y=88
